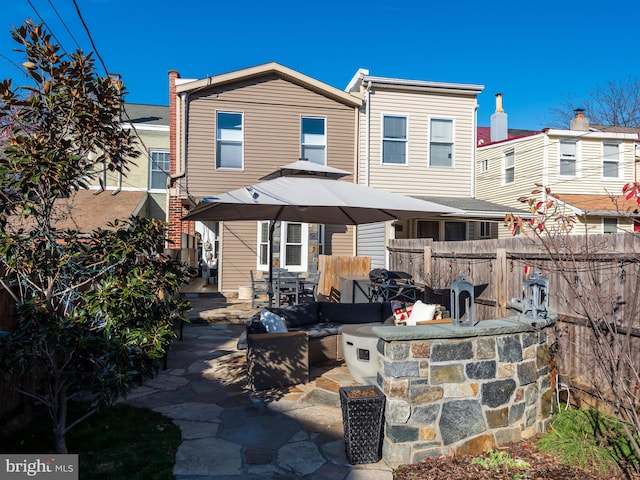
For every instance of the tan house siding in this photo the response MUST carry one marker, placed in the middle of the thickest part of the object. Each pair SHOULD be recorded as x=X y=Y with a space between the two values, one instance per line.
x=417 y=177
x=272 y=104
x=272 y=110
x=239 y=255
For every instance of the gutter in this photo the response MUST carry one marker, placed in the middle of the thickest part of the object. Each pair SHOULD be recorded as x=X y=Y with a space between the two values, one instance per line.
x=368 y=133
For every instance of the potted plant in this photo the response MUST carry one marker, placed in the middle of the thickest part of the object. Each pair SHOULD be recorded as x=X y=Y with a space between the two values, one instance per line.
x=362 y=418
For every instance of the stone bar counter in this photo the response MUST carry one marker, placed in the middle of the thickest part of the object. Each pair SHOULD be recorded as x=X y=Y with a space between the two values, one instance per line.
x=464 y=389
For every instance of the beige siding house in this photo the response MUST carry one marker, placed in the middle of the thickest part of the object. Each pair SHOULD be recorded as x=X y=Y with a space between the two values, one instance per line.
x=418 y=138
x=584 y=167
x=141 y=190
x=231 y=129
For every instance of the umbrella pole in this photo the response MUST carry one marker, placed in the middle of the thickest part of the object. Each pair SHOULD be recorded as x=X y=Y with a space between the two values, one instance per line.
x=272 y=225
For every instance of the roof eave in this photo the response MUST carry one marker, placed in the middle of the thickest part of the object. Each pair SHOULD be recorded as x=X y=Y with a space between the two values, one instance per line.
x=275 y=69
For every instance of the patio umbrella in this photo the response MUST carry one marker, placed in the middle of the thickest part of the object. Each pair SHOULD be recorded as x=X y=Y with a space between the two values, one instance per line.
x=307 y=192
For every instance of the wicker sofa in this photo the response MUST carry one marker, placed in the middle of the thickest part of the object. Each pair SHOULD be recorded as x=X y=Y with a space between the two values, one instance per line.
x=313 y=337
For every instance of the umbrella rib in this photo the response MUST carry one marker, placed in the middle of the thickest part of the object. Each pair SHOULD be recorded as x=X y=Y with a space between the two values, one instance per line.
x=346 y=214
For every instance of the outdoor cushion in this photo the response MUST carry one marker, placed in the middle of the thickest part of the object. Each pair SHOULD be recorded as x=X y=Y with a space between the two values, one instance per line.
x=322 y=329
x=350 y=312
x=272 y=323
x=421 y=312
x=298 y=315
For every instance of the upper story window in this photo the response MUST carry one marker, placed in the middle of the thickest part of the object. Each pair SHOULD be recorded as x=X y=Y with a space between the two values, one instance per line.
x=394 y=140
x=314 y=140
x=484 y=165
x=568 y=158
x=229 y=139
x=159 y=169
x=611 y=160
x=441 y=143
x=509 y=167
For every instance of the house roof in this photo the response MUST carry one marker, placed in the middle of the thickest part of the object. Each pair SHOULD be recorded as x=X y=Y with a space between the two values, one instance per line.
x=87 y=210
x=484 y=135
x=271 y=68
x=362 y=76
x=142 y=114
x=602 y=205
x=475 y=208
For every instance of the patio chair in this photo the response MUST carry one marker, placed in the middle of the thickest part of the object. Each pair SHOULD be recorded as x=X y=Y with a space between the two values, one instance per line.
x=259 y=288
x=287 y=288
x=309 y=288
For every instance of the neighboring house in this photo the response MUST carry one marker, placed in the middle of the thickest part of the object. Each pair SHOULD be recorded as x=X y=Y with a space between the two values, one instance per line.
x=229 y=130
x=139 y=191
x=418 y=138
x=584 y=167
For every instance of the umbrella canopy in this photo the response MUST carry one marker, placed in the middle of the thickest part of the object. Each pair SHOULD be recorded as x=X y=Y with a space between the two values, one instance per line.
x=312 y=195
x=307 y=192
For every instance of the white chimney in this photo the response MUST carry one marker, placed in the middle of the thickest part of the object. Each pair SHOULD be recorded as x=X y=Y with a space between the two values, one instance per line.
x=499 y=129
x=579 y=122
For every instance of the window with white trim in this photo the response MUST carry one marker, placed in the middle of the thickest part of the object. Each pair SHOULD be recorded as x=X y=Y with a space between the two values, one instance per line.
x=509 y=167
x=568 y=158
x=441 y=143
x=294 y=246
x=609 y=225
x=313 y=140
x=484 y=165
x=159 y=169
x=263 y=245
x=611 y=160
x=229 y=138
x=394 y=140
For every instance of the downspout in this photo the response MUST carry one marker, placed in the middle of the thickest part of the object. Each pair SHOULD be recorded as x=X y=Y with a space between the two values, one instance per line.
x=367 y=133
x=473 y=151
x=545 y=165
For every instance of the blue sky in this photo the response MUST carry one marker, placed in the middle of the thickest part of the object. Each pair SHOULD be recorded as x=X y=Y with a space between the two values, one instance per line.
x=535 y=54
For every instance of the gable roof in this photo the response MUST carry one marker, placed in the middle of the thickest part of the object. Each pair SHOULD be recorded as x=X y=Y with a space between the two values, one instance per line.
x=86 y=210
x=271 y=68
x=601 y=205
x=142 y=114
x=484 y=135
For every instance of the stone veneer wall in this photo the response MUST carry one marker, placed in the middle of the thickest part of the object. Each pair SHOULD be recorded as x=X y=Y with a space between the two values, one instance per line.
x=464 y=395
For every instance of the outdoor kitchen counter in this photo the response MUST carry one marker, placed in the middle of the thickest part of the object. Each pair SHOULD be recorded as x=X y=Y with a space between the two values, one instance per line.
x=498 y=326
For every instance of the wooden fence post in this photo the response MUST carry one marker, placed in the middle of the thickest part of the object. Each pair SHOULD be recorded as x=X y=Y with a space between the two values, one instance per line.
x=428 y=267
x=501 y=283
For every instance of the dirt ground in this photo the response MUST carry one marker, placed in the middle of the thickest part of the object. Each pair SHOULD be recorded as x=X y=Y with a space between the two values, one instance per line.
x=543 y=466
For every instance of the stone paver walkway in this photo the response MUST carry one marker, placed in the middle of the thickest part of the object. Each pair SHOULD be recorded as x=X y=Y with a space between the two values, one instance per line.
x=229 y=432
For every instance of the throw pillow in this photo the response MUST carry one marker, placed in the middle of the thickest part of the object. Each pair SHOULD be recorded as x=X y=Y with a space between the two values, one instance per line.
x=421 y=312
x=401 y=312
x=272 y=322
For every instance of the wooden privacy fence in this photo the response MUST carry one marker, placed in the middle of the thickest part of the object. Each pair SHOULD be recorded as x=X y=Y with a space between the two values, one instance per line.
x=332 y=267
x=598 y=274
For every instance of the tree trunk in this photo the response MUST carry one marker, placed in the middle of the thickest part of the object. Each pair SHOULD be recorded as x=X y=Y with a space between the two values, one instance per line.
x=60 y=422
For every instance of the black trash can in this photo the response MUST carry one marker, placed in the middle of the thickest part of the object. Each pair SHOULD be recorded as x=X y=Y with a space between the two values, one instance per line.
x=363 y=421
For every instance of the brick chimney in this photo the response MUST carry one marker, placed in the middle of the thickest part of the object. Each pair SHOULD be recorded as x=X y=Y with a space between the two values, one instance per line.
x=499 y=128
x=175 y=209
x=579 y=122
